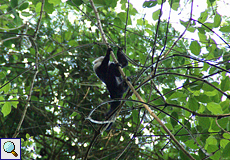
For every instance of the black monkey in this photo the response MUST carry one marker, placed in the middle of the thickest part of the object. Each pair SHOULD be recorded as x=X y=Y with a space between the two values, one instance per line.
x=109 y=73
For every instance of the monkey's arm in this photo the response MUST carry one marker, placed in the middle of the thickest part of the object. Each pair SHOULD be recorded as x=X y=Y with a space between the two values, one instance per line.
x=121 y=58
x=105 y=62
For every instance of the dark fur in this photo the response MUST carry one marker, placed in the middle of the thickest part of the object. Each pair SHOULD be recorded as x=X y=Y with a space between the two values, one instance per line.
x=109 y=73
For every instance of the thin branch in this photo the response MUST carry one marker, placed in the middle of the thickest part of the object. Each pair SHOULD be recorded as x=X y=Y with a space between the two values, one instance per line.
x=212 y=31
x=39 y=20
x=29 y=96
x=221 y=127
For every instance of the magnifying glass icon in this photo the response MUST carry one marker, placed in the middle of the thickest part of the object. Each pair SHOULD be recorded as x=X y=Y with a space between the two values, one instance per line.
x=9 y=147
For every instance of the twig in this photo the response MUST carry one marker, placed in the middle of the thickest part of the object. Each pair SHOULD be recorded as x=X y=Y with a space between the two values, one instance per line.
x=39 y=20
x=221 y=127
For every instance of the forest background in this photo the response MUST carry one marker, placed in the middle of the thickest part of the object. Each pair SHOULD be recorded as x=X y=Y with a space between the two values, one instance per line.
x=48 y=87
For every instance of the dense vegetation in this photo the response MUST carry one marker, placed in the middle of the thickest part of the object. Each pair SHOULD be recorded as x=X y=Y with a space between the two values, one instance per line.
x=48 y=87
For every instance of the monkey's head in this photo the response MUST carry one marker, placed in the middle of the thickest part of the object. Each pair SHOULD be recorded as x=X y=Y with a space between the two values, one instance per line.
x=97 y=62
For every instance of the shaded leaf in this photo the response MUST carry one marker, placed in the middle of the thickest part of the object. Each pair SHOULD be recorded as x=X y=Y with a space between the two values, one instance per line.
x=14 y=102
x=225 y=84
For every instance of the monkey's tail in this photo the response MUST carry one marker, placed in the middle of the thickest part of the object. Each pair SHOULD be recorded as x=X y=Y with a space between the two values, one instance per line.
x=110 y=113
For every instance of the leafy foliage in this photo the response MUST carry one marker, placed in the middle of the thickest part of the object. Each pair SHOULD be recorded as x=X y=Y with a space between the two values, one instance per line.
x=47 y=49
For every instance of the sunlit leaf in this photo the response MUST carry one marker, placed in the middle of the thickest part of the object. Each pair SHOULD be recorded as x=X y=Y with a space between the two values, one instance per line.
x=6 y=109
x=217 y=20
x=156 y=14
x=195 y=47
x=214 y=108
x=225 y=29
x=203 y=16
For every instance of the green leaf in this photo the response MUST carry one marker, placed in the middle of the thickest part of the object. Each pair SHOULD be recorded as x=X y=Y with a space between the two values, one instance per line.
x=202 y=37
x=207 y=26
x=217 y=52
x=55 y=2
x=6 y=109
x=6 y=88
x=225 y=104
x=72 y=42
x=211 y=1
x=3 y=6
x=217 y=154
x=149 y=4
x=193 y=104
x=175 y=5
x=24 y=6
x=213 y=70
x=113 y=4
x=195 y=47
x=196 y=85
x=226 y=136
x=2 y=74
x=73 y=114
x=203 y=98
x=135 y=116
x=226 y=151
x=38 y=7
x=122 y=17
x=25 y=14
x=224 y=142
x=225 y=84
x=204 y=122
x=184 y=23
x=49 y=8
x=203 y=16
x=14 y=3
x=75 y=2
x=173 y=121
x=201 y=30
x=226 y=57
x=211 y=148
x=191 y=144
x=217 y=20
x=68 y=35
x=140 y=21
x=177 y=95
x=15 y=102
x=2 y=100
x=201 y=108
x=191 y=29
x=214 y=108
x=27 y=136
x=156 y=14
x=132 y=11
x=223 y=122
x=211 y=140
x=225 y=29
